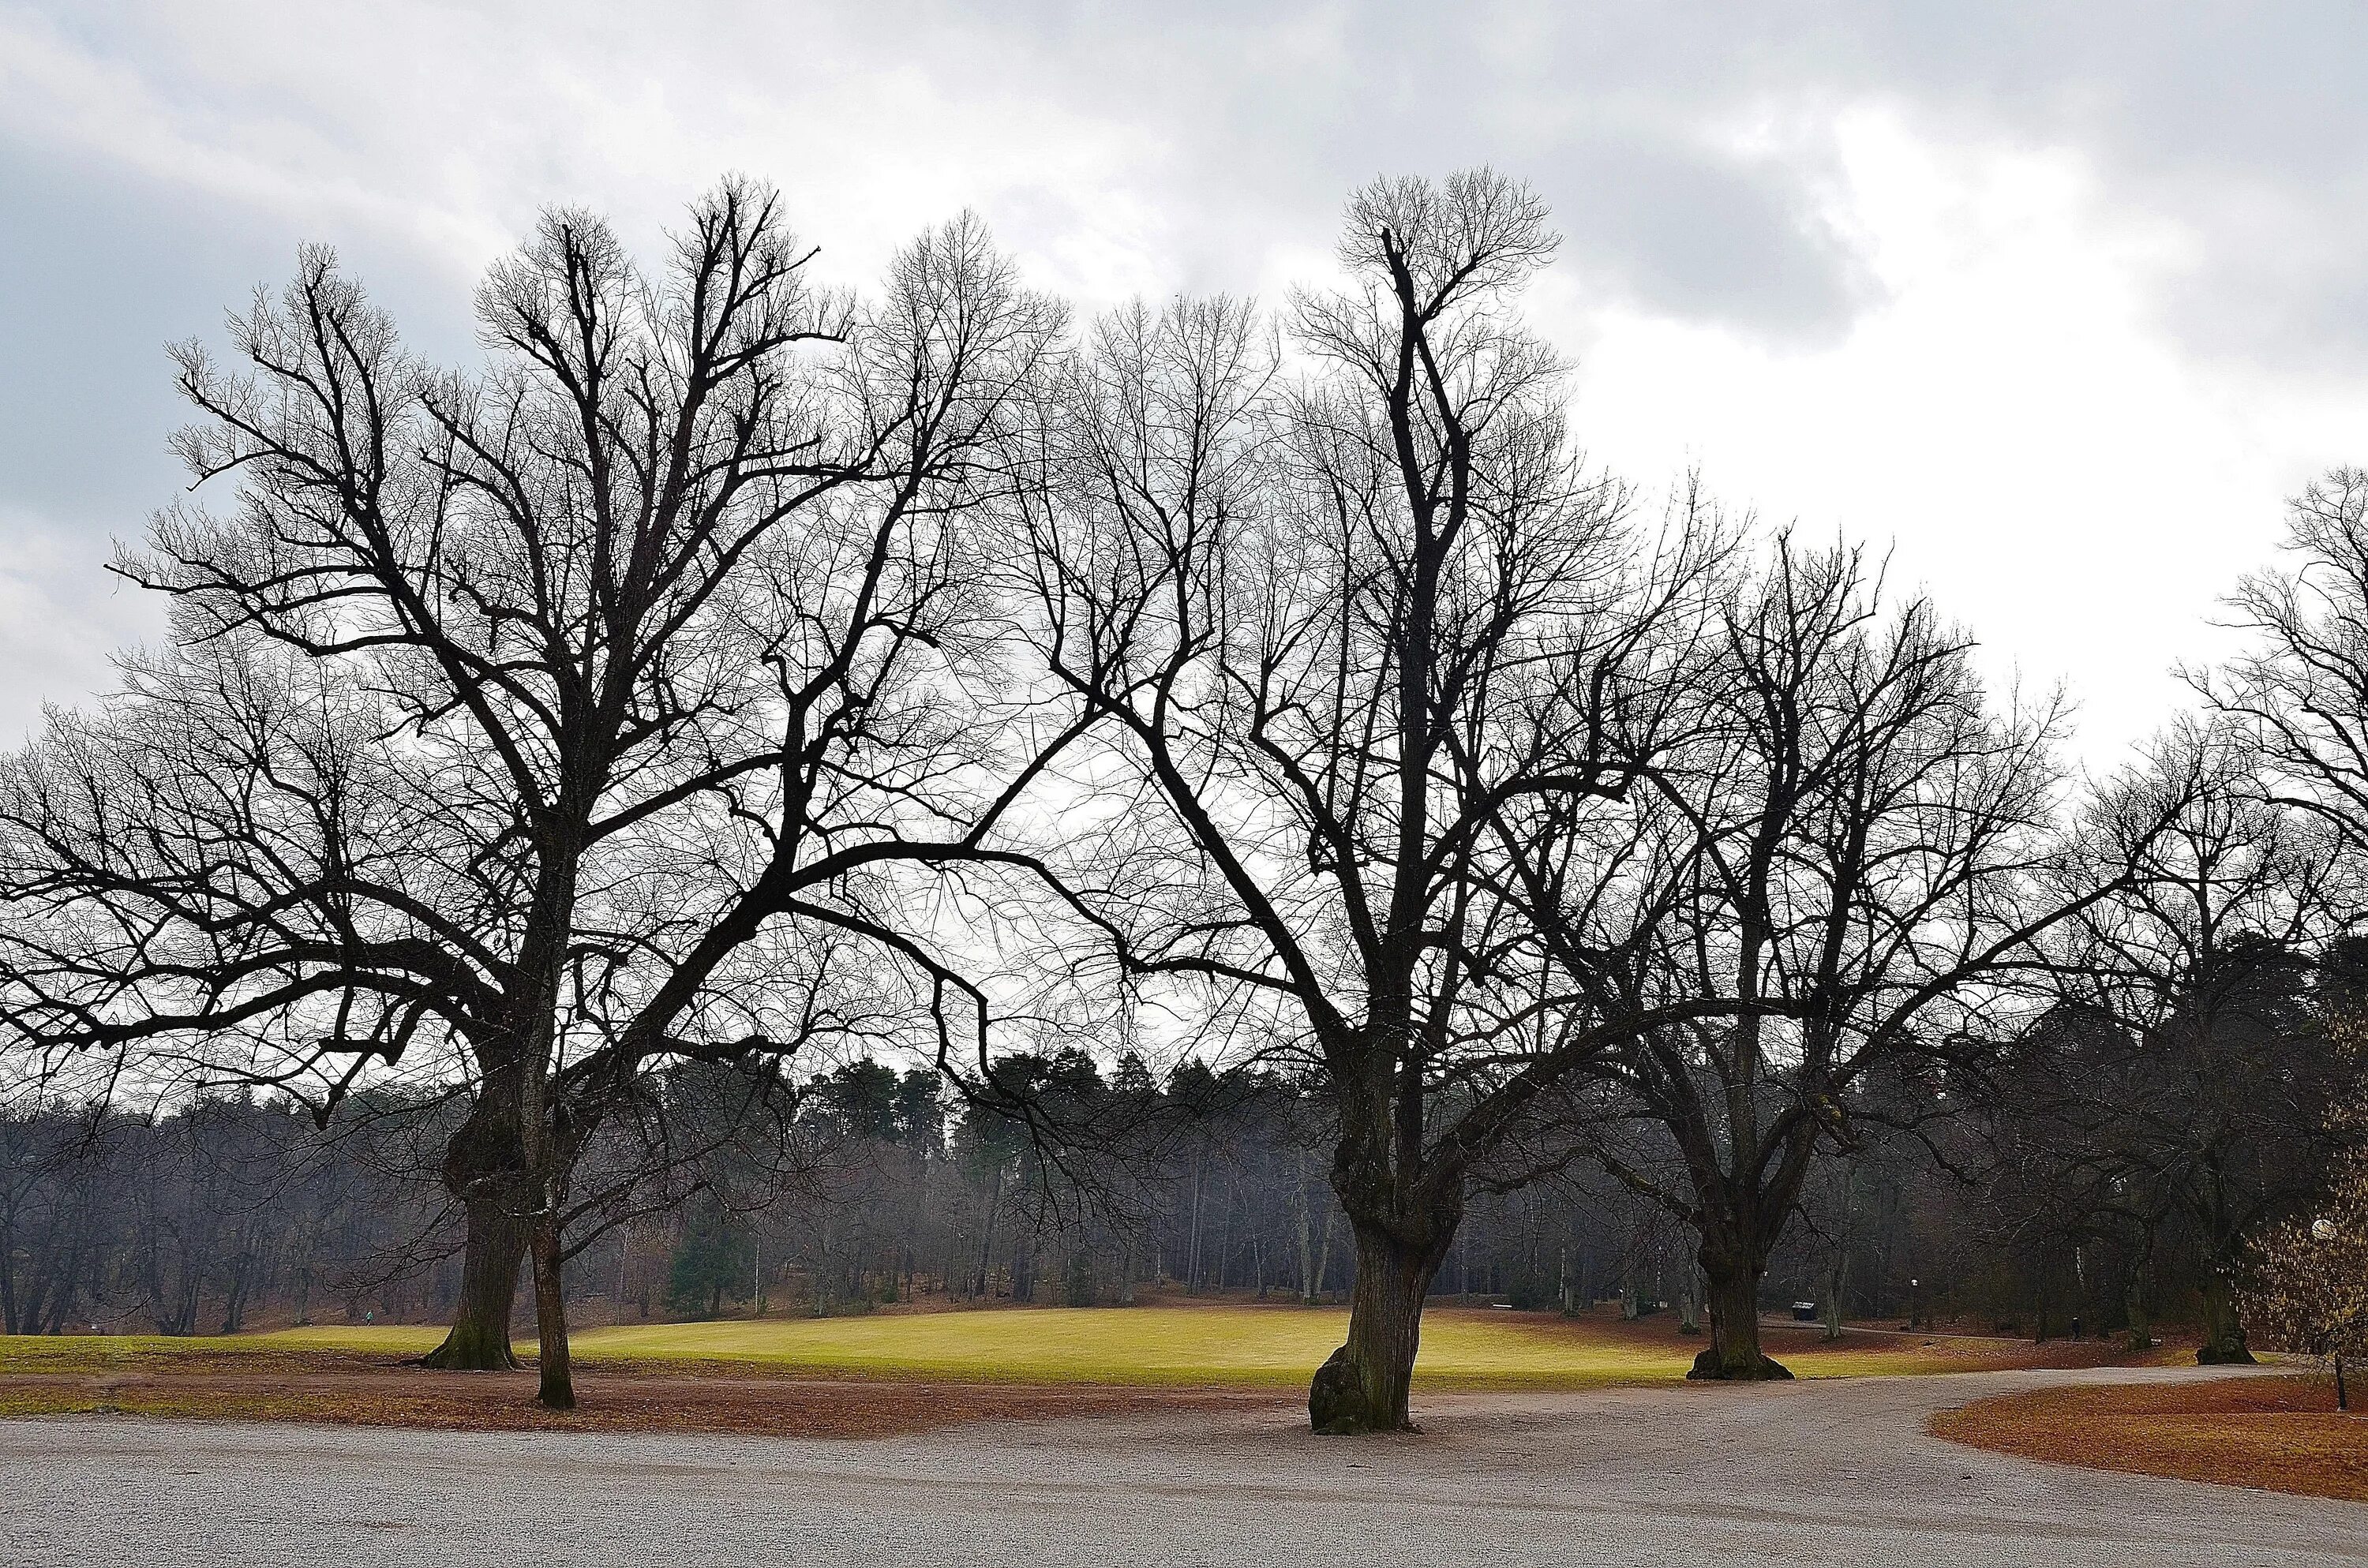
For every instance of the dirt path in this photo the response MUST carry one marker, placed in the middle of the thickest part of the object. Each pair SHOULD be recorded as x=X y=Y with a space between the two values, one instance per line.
x=1837 y=1473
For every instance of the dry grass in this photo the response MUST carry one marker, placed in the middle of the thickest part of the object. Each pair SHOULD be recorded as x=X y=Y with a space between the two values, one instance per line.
x=1245 y=1346
x=1194 y=1346
x=893 y=1372
x=2282 y=1434
x=608 y=1402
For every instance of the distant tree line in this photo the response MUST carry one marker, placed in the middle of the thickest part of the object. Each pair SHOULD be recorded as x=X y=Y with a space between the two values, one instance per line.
x=237 y=1212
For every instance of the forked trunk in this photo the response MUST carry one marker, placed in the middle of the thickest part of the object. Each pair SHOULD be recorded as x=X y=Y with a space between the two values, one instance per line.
x=556 y=1386
x=1734 y=1350
x=2223 y=1333
x=479 y=1340
x=1363 y=1387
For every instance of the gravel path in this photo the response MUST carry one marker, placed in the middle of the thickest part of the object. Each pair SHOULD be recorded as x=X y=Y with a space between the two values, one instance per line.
x=1838 y=1473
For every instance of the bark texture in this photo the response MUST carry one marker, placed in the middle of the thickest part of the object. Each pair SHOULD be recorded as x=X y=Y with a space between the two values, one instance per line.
x=479 y=1340
x=1734 y=1353
x=485 y=1169
x=1364 y=1386
x=557 y=1383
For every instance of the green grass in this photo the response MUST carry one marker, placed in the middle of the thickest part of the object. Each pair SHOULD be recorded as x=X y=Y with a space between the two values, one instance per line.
x=96 y=1354
x=1154 y=1346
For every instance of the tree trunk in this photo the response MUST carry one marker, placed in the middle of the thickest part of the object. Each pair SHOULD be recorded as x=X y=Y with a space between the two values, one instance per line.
x=479 y=1340
x=2223 y=1333
x=1734 y=1350
x=986 y=1241
x=556 y=1385
x=1192 y=1242
x=1363 y=1387
x=1307 y=1240
x=485 y=1169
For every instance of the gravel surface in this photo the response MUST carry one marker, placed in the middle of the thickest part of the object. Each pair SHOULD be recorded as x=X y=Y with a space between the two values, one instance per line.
x=1838 y=1472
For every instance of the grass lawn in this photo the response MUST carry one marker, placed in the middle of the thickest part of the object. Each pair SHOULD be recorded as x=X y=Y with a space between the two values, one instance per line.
x=1166 y=1346
x=2282 y=1433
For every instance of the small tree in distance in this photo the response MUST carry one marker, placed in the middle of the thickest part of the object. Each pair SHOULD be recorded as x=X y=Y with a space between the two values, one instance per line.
x=2309 y=1291
x=712 y=1259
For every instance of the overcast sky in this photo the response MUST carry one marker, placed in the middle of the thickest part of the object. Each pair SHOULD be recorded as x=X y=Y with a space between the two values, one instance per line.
x=2059 y=301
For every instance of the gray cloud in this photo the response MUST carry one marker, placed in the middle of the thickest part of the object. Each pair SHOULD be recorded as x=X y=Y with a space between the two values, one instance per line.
x=180 y=151
x=2245 y=123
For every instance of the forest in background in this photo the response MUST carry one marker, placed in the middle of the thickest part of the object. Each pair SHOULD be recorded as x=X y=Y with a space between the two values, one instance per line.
x=2044 y=1214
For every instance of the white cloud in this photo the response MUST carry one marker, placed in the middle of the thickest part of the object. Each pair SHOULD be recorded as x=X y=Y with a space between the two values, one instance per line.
x=2004 y=288
x=2051 y=467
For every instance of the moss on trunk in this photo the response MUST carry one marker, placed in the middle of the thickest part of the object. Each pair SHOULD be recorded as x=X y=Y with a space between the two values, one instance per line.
x=479 y=1340
x=1734 y=1353
x=1365 y=1384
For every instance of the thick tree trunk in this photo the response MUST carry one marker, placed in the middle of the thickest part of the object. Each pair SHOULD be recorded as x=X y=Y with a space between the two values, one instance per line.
x=1734 y=1350
x=485 y=1169
x=556 y=1384
x=479 y=1340
x=1363 y=1387
x=2223 y=1333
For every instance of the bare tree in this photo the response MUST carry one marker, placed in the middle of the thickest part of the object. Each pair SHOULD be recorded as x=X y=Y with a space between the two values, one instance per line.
x=2308 y=1282
x=2198 y=1093
x=1331 y=628
x=2299 y=695
x=543 y=717
x=1876 y=854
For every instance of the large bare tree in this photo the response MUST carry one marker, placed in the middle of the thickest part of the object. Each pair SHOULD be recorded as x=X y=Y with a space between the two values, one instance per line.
x=1338 y=603
x=1878 y=852
x=551 y=714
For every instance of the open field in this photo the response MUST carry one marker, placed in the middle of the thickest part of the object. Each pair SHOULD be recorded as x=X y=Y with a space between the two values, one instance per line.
x=901 y=1372
x=1150 y=1345
x=2282 y=1433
